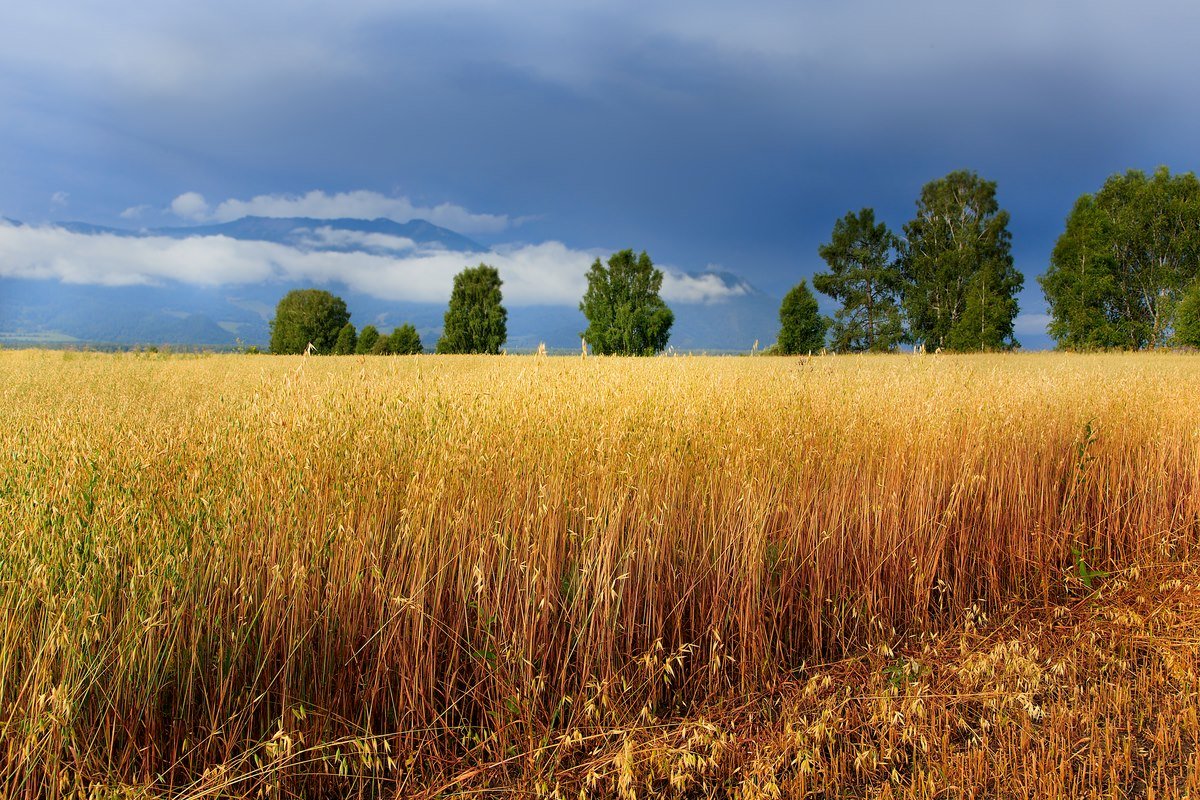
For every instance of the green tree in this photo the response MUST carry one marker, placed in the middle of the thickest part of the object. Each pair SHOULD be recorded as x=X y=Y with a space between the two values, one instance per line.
x=307 y=316
x=801 y=327
x=368 y=337
x=346 y=341
x=865 y=278
x=625 y=314
x=960 y=285
x=1187 y=317
x=1081 y=288
x=1124 y=262
x=476 y=321
x=987 y=317
x=405 y=341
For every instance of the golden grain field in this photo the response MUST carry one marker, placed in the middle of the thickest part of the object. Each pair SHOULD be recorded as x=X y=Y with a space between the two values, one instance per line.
x=891 y=576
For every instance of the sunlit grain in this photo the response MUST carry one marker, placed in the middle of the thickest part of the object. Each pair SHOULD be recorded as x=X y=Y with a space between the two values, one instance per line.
x=231 y=575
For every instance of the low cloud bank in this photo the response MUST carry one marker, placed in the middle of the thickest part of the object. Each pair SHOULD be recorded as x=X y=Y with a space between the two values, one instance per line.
x=1031 y=324
x=341 y=205
x=386 y=267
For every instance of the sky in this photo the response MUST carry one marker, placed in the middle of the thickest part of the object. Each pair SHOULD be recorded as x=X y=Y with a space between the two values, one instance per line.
x=716 y=136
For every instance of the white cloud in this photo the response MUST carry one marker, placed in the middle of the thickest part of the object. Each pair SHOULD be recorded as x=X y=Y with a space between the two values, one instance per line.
x=190 y=205
x=60 y=199
x=704 y=288
x=134 y=212
x=104 y=259
x=327 y=237
x=360 y=204
x=1030 y=324
x=540 y=274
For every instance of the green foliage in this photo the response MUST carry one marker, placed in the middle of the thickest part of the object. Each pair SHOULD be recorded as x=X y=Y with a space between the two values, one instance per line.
x=904 y=671
x=801 y=327
x=1086 y=575
x=346 y=341
x=1187 y=317
x=626 y=316
x=1124 y=262
x=960 y=285
x=405 y=341
x=991 y=307
x=306 y=316
x=368 y=337
x=475 y=322
x=382 y=346
x=1080 y=286
x=864 y=277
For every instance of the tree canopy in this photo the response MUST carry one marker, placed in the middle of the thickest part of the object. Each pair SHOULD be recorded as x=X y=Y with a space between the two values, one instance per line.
x=368 y=337
x=307 y=316
x=801 y=326
x=1125 y=260
x=960 y=285
x=476 y=321
x=404 y=341
x=346 y=341
x=1124 y=273
x=865 y=278
x=625 y=314
x=1187 y=317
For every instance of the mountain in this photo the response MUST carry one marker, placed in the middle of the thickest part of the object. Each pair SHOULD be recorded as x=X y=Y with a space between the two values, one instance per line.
x=51 y=312
x=298 y=230
x=169 y=312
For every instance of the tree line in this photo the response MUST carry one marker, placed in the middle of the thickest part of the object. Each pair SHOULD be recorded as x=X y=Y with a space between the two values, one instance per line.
x=1124 y=274
x=625 y=312
x=1126 y=271
x=313 y=320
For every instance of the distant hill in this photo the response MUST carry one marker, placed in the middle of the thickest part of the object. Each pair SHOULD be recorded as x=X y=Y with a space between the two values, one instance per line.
x=294 y=230
x=47 y=311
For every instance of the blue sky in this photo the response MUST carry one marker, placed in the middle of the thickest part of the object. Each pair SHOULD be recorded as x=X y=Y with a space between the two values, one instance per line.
x=714 y=135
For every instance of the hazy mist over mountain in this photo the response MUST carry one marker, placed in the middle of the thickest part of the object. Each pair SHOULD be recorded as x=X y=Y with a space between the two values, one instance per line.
x=216 y=285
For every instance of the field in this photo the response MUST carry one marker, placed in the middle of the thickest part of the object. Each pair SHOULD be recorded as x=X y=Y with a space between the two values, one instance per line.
x=901 y=576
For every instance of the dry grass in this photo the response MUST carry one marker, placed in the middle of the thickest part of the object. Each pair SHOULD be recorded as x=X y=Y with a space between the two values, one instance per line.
x=230 y=576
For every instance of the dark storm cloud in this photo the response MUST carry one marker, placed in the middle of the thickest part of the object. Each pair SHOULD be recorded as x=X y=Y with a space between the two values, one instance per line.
x=705 y=132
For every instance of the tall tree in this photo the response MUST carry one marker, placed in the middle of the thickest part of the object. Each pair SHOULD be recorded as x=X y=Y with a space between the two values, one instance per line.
x=957 y=254
x=1086 y=308
x=476 y=321
x=989 y=311
x=1124 y=261
x=865 y=278
x=405 y=341
x=307 y=316
x=346 y=341
x=1187 y=317
x=626 y=315
x=368 y=337
x=801 y=327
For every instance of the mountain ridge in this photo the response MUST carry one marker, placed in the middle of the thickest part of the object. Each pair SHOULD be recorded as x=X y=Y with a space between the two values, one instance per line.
x=282 y=230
